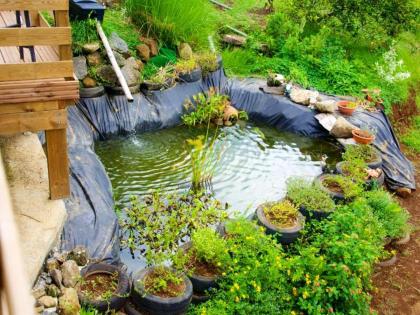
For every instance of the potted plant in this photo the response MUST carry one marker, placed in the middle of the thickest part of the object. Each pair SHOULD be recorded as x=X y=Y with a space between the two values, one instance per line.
x=359 y=171
x=159 y=224
x=164 y=78
x=207 y=259
x=188 y=70
x=339 y=187
x=209 y=62
x=104 y=287
x=313 y=202
x=367 y=153
x=282 y=219
x=346 y=107
x=364 y=135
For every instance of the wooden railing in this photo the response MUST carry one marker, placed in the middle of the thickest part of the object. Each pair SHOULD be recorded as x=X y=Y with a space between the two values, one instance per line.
x=15 y=298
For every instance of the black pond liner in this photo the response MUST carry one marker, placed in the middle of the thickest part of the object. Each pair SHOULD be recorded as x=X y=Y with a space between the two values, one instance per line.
x=92 y=221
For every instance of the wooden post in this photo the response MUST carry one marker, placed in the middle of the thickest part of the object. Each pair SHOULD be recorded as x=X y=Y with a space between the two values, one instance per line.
x=114 y=63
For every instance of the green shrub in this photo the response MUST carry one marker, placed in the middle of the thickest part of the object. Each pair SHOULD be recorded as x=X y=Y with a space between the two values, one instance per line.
x=207 y=62
x=366 y=153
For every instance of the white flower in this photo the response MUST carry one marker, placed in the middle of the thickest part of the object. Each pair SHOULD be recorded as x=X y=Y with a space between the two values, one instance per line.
x=390 y=69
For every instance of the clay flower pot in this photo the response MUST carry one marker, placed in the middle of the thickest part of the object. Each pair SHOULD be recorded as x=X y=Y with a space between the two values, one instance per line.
x=346 y=107
x=362 y=136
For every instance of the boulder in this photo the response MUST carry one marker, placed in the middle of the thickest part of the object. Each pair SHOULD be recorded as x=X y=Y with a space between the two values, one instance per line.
x=53 y=290
x=342 y=128
x=91 y=48
x=185 y=51
x=80 y=67
x=94 y=59
x=47 y=301
x=131 y=75
x=79 y=254
x=38 y=291
x=57 y=277
x=153 y=45
x=302 y=96
x=68 y=303
x=88 y=82
x=118 y=44
x=144 y=52
x=107 y=74
x=71 y=273
x=326 y=106
x=235 y=40
x=120 y=59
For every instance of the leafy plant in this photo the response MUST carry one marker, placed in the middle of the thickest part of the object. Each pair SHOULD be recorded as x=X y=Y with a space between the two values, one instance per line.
x=208 y=62
x=310 y=195
x=346 y=185
x=282 y=214
x=366 y=153
x=186 y=66
x=356 y=170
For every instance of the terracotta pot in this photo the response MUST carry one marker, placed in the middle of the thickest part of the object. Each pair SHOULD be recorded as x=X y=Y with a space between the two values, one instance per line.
x=344 y=109
x=362 y=137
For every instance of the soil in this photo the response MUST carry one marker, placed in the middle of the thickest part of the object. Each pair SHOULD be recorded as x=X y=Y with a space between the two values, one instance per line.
x=202 y=268
x=398 y=287
x=172 y=290
x=96 y=286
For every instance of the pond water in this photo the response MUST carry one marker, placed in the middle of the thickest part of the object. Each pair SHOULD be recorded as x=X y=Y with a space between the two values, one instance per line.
x=253 y=163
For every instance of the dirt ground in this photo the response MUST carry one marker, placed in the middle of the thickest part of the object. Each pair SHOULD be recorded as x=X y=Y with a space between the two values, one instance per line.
x=398 y=287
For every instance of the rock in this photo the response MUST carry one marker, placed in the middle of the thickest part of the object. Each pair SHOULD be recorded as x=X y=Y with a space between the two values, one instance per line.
x=80 y=255
x=39 y=309
x=57 y=277
x=68 y=303
x=144 y=52
x=153 y=45
x=230 y=113
x=140 y=65
x=275 y=79
x=235 y=40
x=131 y=74
x=91 y=48
x=53 y=290
x=71 y=273
x=61 y=257
x=342 y=128
x=403 y=192
x=50 y=311
x=107 y=74
x=51 y=264
x=120 y=59
x=302 y=96
x=118 y=44
x=80 y=67
x=88 y=82
x=132 y=62
x=47 y=301
x=326 y=106
x=185 y=51
x=46 y=277
x=94 y=59
x=38 y=292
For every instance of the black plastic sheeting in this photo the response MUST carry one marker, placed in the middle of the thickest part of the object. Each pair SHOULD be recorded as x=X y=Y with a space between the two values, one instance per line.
x=92 y=221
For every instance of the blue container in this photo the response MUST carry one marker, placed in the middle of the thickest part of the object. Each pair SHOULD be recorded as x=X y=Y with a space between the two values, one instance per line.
x=84 y=9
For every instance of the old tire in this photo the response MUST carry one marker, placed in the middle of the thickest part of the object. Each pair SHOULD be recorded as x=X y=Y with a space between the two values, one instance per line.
x=190 y=77
x=156 y=305
x=118 y=90
x=314 y=214
x=91 y=92
x=284 y=235
x=335 y=195
x=117 y=301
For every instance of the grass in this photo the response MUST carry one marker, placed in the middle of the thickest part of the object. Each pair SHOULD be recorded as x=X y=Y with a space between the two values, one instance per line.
x=412 y=137
x=83 y=32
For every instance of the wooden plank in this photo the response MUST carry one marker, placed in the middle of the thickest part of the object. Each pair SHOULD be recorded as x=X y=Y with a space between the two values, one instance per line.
x=64 y=51
x=27 y=107
x=28 y=97
x=65 y=97
x=57 y=85
x=33 y=121
x=34 y=71
x=48 y=36
x=32 y=5
x=58 y=167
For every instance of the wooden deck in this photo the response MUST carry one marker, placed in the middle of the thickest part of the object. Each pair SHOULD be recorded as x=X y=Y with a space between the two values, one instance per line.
x=10 y=55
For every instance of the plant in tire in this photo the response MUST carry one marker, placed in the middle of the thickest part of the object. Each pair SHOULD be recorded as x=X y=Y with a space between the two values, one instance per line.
x=282 y=214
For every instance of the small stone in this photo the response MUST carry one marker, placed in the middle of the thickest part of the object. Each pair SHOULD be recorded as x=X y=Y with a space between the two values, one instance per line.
x=153 y=45
x=185 y=51
x=342 y=128
x=230 y=113
x=120 y=59
x=131 y=75
x=50 y=311
x=235 y=40
x=94 y=59
x=107 y=74
x=51 y=264
x=132 y=63
x=46 y=277
x=38 y=292
x=91 y=48
x=80 y=255
x=140 y=65
x=403 y=192
x=302 y=96
x=88 y=82
x=39 y=309
x=53 y=290
x=71 y=273
x=144 y=52
x=68 y=303
x=57 y=277
x=47 y=301
x=80 y=67
x=326 y=106
x=61 y=257
x=117 y=43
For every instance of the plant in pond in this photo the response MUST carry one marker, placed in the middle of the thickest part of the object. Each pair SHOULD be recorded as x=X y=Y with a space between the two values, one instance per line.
x=186 y=66
x=342 y=185
x=309 y=195
x=208 y=62
x=282 y=214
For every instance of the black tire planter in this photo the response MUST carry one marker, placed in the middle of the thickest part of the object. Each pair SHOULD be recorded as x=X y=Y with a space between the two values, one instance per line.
x=389 y=262
x=314 y=214
x=118 y=90
x=130 y=309
x=370 y=182
x=199 y=298
x=91 y=92
x=403 y=240
x=377 y=161
x=151 y=86
x=117 y=301
x=284 y=235
x=155 y=305
x=334 y=195
x=190 y=77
